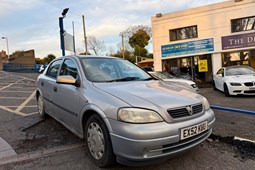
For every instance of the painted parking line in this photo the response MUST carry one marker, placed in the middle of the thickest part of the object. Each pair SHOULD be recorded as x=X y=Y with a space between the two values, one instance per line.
x=233 y=110
x=21 y=86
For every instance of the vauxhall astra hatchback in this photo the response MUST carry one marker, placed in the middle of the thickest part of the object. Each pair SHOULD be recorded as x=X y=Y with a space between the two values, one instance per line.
x=121 y=112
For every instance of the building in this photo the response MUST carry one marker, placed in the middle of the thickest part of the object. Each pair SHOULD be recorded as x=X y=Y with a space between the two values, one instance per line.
x=199 y=41
x=20 y=60
x=3 y=59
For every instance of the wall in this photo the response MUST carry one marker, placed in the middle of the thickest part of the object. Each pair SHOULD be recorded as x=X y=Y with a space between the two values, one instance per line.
x=213 y=21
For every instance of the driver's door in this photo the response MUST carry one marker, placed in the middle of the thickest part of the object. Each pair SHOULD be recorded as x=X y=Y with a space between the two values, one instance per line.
x=219 y=79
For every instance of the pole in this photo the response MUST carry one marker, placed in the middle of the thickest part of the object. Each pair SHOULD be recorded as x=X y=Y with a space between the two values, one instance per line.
x=122 y=36
x=62 y=31
x=85 y=37
x=8 y=54
x=74 y=41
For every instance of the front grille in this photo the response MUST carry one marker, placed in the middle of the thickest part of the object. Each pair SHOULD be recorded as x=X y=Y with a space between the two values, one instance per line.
x=249 y=84
x=187 y=142
x=251 y=91
x=179 y=146
x=185 y=111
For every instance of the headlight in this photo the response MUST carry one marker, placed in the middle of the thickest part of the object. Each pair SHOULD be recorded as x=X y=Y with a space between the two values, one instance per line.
x=206 y=103
x=135 y=115
x=235 y=84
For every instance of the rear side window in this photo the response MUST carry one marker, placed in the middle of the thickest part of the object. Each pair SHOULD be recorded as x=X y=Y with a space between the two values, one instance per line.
x=53 y=69
x=69 y=68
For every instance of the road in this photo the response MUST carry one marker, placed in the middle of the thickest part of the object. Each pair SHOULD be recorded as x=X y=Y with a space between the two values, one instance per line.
x=46 y=144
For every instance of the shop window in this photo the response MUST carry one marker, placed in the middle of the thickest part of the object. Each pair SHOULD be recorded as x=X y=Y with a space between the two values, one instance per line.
x=243 y=24
x=183 y=33
x=236 y=58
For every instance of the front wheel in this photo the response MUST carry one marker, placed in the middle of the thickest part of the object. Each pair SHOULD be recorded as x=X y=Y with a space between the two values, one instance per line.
x=98 y=142
x=226 y=91
x=214 y=87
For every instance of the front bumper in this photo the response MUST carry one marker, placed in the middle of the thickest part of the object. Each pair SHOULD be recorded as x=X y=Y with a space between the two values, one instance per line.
x=146 y=142
x=243 y=90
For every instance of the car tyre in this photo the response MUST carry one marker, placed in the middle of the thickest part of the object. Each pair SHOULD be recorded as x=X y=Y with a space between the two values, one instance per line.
x=98 y=141
x=226 y=91
x=214 y=87
x=41 y=107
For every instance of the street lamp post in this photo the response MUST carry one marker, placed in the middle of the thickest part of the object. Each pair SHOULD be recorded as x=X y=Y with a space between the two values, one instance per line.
x=62 y=31
x=7 y=46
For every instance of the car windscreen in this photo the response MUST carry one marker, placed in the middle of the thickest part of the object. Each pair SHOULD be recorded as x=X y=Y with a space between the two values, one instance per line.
x=112 y=70
x=239 y=71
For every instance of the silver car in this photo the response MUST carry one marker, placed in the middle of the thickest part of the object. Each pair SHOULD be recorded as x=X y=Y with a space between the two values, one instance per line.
x=122 y=112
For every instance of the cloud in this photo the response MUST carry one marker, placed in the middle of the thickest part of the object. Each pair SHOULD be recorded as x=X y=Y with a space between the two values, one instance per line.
x=8 y=7
x=34 y=23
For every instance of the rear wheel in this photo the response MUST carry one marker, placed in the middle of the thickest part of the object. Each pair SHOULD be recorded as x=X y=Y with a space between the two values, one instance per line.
x=40 y=106
x=98 y=142
x=226 y=91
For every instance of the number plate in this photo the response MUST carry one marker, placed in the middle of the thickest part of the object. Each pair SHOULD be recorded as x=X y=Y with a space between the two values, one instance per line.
x=193 y=130
x=252 y=88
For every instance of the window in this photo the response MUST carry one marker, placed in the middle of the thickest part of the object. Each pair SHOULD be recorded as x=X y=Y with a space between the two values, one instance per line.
x=53 y=69
x=243 y=24
x=69 y=68
x=183 y=33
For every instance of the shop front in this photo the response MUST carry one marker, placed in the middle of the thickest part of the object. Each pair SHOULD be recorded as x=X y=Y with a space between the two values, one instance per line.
x=236 y=56
x=191 y=60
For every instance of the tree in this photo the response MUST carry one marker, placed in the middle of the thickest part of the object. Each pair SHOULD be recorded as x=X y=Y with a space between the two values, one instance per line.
x=133 y=29
x=95 y=45
x=138 y=41
x=17 y=53
x=49 y=58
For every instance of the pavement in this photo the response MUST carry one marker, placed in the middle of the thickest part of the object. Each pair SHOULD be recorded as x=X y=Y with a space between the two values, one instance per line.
x=5 y=149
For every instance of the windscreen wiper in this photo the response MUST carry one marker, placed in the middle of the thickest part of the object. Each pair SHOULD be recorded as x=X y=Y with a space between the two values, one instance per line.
x=125 y=79
x=150 y=78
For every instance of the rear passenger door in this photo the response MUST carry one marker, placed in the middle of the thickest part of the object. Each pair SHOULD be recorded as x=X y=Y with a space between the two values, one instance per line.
x=66 y=96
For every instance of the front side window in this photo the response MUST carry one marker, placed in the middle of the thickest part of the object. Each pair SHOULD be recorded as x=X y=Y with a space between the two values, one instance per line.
x=220 y=71
x=112 y=70
x=53 y=69
x=243 y=24
x=69 y=68
x=183 y=33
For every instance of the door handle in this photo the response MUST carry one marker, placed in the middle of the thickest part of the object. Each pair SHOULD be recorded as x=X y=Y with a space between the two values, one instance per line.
x=55 y=89
x=42 y=83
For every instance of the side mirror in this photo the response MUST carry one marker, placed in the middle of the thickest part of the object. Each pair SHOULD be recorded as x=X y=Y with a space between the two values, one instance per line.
x=67 y=80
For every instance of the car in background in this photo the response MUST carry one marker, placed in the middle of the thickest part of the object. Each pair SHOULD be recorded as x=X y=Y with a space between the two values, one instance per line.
x=235 y=80
x=122 y=112
x=165 y=76
x=42 y=68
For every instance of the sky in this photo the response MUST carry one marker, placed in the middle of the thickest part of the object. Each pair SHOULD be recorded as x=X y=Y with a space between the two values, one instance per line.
x=33 y=24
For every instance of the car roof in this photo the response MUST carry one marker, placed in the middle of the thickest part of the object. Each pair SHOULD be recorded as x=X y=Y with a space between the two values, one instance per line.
x=236 y=66
x=90 y=56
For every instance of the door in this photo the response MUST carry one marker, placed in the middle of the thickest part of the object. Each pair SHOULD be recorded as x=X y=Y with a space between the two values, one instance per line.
x=47 y=85
x=67 y=97
x=219 y=79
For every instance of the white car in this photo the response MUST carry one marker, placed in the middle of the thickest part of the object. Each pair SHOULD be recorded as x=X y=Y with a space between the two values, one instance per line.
x=235 y=80
x=168 y=77
x=42 y=68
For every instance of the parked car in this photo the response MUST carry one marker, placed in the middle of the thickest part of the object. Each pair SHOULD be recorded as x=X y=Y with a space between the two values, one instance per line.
x=182 y=82
x=123 y=113
x=42 y=68
x=235 y=80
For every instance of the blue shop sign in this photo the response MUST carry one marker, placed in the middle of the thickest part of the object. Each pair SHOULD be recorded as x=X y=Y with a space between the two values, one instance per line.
x=191 y=47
